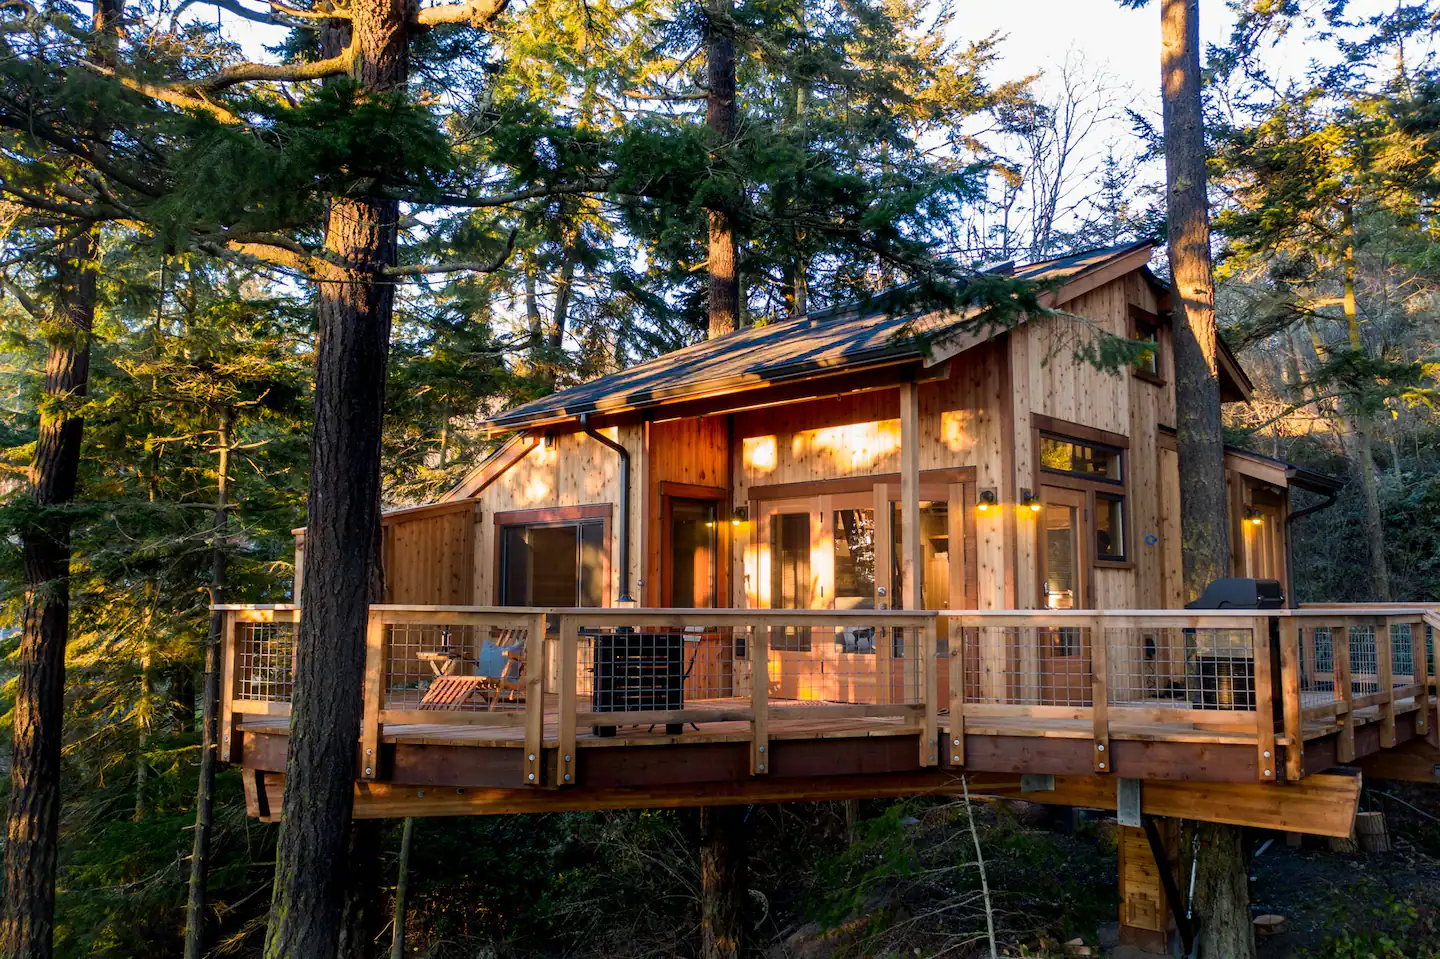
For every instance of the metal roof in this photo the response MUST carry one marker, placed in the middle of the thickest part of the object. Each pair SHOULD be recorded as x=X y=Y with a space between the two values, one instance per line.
x=854 y=336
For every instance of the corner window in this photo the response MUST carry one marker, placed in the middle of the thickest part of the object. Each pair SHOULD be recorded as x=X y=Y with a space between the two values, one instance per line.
x=1085 y=460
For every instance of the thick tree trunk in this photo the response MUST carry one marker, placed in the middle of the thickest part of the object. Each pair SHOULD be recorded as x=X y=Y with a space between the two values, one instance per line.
x=34 y=814
x=720 y=118
x=355 y=306
x=198 y=904
x=1222 y=897
x=723 y=880
x=1203 y=508
x=1362 y=426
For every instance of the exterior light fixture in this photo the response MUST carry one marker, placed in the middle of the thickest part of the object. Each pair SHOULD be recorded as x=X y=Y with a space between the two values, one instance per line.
x=740 y=515
x=987 y=501
x=1254 y=517
x=1028 y=500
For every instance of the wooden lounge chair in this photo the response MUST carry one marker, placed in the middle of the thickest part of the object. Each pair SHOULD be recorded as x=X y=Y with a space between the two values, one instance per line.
x=454 y=692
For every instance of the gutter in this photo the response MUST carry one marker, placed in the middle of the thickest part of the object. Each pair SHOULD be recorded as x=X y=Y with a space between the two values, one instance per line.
x=624 y=454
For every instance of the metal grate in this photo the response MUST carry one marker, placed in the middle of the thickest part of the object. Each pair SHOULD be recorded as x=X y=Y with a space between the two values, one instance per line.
x=1402 y=655
x=1317 y=665
x=265 y=661
x=1364 y=661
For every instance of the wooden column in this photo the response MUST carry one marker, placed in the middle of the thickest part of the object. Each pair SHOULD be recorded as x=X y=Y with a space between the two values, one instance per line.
x=1145 y=914
x=1419 y=658
x=374 y=685
x=910 y=494
x=1264 y=699
x=759 y=699
x=229 y=742
x=567 y=672
x=1385 y=681
x=1344 y=692
x=534 y=699
x=1290 y=689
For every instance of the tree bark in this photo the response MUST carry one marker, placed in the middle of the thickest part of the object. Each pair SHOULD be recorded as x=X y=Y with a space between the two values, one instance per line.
x=355 y=307
x=1362 y=426
x=723 y=881
x=33 y=827
x=720 y=118
x=1222 y=897
x=1205 y=528
x=198 y=902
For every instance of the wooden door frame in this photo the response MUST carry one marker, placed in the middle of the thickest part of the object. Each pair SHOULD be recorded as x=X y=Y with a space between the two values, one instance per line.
x=721 y=498
x=1083 y=567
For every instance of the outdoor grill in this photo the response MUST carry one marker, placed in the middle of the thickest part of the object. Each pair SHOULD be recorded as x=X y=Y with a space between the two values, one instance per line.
x=637 y=672
x=1223 y=666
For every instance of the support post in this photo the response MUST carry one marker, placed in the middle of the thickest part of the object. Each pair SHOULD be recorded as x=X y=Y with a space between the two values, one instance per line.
x=912 y=559
x=229 y=742
x=534 y=699
x=374 y=678
x=760 y=700
x=956 y=749
x=1264 y=699
x=1385 y=680
x=1100 y=695
x=569 y=652
x=929 y=686
x=1290 y=690
x=1419 y=657
x=1344 y=692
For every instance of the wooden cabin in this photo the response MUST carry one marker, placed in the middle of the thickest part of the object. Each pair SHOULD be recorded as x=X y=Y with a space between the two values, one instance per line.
x=856 y=554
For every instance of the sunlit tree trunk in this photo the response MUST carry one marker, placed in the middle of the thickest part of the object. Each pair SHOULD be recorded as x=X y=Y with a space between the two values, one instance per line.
x=1221 y=894
x=720 y=109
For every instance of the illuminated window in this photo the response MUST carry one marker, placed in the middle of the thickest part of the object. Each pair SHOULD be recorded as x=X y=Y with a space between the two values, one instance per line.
x=1088 y=460
x=1109 y=527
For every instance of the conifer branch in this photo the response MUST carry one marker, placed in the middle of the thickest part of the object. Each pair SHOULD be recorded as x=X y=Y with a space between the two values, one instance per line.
x=477 y=13
x=421 y=269
x=280 y=14
x=22 y=122
x=593 y=185
x=283 y=72
x=170 y=95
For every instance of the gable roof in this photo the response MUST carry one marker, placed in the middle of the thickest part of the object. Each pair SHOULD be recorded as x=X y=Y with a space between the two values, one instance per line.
x=846 y=339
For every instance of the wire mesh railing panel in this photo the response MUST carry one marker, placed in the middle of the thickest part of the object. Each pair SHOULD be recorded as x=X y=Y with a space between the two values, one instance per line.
x=265 y=661
x=1317 y=665
x=1149 y=666
x=1364 y=661
x=1028 y=665
x=1402 y=654
x=453 y=667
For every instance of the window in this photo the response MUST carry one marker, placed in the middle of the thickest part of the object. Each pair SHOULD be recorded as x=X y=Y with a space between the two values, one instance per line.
x=561 y=563
x=790 y=576
x=1147 y=330
x=1109 y=527
x=1087 y=460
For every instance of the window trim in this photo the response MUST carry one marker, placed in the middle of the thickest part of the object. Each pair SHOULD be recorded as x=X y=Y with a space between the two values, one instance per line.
x=1041 y=424
x=1139 y=319
x=555 y=516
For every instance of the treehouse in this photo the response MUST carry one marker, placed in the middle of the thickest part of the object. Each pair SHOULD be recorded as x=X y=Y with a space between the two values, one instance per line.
x=859 y=554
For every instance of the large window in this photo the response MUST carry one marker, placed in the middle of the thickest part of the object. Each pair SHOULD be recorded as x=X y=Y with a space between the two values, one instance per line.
x=1090 y=462
x=552 y=562
x=1060 y=454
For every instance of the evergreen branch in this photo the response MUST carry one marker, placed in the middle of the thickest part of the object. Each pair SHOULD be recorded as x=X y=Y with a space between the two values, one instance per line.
x=637 y=95
x=23 y=298
x=164 y=94
x=477 y=13
x=29 y=125
x=88 y=211
x=280 y=14
x=283 y=72
x=597 y=185
x=421 y=269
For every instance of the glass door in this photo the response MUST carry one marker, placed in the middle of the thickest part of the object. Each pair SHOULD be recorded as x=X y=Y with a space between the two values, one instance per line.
x=690 y=576
x=1064 y=658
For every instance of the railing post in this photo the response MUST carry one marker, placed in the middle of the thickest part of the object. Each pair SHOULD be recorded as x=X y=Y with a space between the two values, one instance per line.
x=1344 y=692
x=1419 y=657
x=1264 y=698
x=569 y=653
x=1290 y=690
x=957 y=691
x=760 y=700
x=1385 y=679
x=1100 y=695
x=229 y=742
x=929 y=686
x=374 y=682
x=534 y=699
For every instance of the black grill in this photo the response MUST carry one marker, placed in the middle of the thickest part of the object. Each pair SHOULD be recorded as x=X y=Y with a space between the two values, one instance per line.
x=638 y=671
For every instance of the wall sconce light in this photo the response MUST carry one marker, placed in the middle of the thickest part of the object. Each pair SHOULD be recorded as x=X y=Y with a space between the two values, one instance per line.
x=740 y=515
x=549 y=441
x=1028 y=500
x=1254 y=517
x=987 y=501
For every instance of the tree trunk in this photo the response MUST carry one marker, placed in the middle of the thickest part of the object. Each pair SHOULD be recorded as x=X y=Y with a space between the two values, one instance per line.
x=723 y=881
x=355 y=306
x=1362 y=425
x=1222 y=897
x=1204 y=512
x=34 y=813
x=720 y=118
x=402 y=893
x=198 y=903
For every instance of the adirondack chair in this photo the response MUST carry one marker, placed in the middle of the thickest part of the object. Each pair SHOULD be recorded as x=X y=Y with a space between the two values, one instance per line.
x=491 y=686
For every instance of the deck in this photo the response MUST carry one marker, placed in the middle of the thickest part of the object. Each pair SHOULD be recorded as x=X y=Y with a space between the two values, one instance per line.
x=624 y=707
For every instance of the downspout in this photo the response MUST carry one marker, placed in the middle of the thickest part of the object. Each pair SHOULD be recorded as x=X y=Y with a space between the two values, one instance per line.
x=624 y=454
x=1326 y=503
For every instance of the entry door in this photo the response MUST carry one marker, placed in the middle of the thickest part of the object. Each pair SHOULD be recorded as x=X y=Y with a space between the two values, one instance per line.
x=787 y=538
x=1063 y=548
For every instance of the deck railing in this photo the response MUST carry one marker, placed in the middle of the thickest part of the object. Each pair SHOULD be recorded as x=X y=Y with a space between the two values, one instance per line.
x=548 y=678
